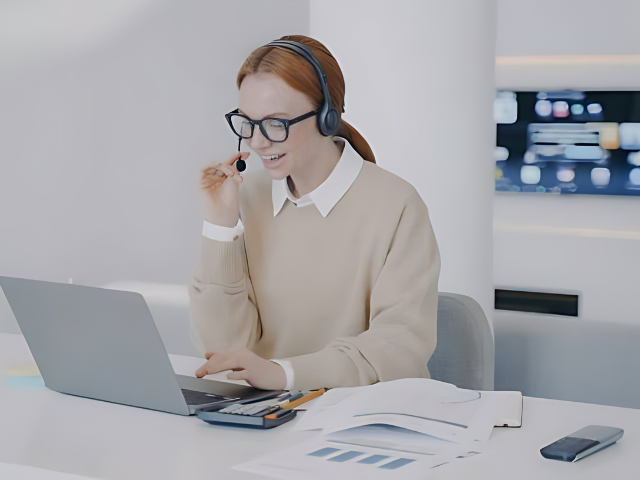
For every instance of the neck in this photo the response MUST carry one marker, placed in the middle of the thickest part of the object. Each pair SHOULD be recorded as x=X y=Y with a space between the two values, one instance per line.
x=317 y=171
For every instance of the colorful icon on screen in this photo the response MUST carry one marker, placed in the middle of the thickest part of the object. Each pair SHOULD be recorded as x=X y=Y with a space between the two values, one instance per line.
x=530 y=174
x=634 y=159
x=594 y=108
x=630 y=136
x=543 y=108
x=560 y=109
x=577 y=109
x=505 y=107
x=600 y=177
x=565 y=174
x=500 y=154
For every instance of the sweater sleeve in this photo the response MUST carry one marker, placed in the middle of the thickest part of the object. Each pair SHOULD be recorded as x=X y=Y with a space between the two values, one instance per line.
x=403 y=315
x=221 y=298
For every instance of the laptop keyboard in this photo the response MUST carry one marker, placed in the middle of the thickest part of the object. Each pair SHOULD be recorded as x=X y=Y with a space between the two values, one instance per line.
x=200 y=398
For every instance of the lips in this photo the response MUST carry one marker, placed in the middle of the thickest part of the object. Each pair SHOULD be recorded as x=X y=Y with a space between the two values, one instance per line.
x=280 y=155
x=273 y=163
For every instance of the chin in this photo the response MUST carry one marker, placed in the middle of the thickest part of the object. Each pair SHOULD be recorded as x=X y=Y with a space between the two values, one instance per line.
x=277 y=174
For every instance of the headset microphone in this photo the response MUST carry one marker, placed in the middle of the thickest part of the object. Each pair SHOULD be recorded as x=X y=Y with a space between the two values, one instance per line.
x=241 y=165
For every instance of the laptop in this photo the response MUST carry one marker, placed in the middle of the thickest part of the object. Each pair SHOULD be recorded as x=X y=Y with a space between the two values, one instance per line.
x=103 y=344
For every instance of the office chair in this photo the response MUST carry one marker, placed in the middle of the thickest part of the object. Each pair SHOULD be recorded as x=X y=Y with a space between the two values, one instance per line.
x=465 y=352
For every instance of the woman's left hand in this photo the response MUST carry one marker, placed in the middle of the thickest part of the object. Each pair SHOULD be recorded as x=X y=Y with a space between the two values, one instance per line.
x=246 y=365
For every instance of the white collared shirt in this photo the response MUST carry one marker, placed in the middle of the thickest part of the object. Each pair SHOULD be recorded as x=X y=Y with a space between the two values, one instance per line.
x=324 y=197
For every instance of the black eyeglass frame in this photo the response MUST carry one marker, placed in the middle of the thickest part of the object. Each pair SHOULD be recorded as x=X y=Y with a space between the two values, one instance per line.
x=287 y=123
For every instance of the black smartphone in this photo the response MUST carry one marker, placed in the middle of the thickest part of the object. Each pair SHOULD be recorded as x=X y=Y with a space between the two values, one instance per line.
x=581 y=443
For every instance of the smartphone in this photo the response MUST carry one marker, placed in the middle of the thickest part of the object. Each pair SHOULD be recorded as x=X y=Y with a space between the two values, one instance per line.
x=584 y=442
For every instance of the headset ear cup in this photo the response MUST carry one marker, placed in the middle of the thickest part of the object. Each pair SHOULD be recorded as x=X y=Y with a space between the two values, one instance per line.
x=327 y=120
x=331 y=121
x=322 y=118
x=320 y=123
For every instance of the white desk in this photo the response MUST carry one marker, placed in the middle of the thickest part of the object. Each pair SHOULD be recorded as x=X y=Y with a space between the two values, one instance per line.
x=49 y=430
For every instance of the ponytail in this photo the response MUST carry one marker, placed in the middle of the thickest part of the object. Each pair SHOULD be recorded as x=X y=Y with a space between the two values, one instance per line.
x=357 y=141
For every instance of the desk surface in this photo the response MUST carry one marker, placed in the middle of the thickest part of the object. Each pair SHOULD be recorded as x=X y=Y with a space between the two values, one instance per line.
x=49 y=430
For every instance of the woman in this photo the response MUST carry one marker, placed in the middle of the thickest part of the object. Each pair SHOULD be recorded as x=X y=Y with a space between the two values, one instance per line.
x=321 y=270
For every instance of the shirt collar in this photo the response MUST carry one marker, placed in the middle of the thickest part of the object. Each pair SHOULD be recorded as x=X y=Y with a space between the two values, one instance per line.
x=327 y=195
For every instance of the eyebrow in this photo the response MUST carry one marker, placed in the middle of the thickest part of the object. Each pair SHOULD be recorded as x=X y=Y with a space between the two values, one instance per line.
x=266 y=116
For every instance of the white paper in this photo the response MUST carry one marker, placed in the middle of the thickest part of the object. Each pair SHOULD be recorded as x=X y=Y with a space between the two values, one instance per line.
x=413 y=424
x=389 y=437
x=512 y=414
x=297 y=463
x=422 y=405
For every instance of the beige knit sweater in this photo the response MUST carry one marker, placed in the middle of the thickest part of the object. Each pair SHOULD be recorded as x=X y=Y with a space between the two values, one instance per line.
x=350 y=299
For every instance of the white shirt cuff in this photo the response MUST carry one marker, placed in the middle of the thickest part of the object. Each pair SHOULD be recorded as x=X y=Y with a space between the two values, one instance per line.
x=288 y=371
x=220 y=233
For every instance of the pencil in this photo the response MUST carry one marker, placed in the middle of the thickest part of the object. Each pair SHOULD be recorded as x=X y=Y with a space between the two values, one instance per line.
x=291 y=405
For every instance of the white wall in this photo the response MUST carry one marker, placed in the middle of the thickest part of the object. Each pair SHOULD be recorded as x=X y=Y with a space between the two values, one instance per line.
x=582 y=243
x=567 y=27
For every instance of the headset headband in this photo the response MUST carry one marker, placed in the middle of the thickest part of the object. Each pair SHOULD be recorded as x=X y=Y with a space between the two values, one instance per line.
x=327 y=116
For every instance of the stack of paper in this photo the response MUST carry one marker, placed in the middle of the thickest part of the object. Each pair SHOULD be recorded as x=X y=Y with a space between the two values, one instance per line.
x=422 y=405
x=390 y=429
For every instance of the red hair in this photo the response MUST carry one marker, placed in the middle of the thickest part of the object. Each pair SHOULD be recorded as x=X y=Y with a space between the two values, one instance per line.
x=300 y=75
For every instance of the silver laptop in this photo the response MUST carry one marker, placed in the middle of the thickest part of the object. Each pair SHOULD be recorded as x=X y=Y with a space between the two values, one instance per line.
x=103 y=344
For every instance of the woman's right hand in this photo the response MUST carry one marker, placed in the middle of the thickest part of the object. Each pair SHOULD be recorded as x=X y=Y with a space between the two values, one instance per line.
x=220 y=184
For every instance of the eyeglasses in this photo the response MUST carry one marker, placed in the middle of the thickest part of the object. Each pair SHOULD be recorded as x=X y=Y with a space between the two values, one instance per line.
x=274 y=129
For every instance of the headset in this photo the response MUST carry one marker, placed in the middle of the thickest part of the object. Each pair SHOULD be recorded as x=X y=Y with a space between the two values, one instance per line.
x=327 y=116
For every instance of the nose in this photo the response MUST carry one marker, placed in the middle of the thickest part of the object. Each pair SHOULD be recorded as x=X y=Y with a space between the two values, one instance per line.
x=258 y=141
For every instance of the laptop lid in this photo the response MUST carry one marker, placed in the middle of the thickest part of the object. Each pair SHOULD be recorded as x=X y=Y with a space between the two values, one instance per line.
x=96 y=343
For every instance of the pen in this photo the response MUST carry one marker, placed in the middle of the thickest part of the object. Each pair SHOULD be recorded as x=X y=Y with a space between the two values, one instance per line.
x=296 y=396
x=290 y=405
x=259 y=408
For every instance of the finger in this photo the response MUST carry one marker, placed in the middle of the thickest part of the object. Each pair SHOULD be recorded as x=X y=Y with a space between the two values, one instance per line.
x=202 y=371
x=211 y=168
x=218 y=364
x=236 y=157
x=239 y=375
x=211 y=181
x=212 y=176
x=208 y=355
x=227 y=170
x=207 y=172
x=215 y=178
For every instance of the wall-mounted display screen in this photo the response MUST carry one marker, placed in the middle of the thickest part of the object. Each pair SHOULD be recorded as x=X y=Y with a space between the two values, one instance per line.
x=568 y=142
